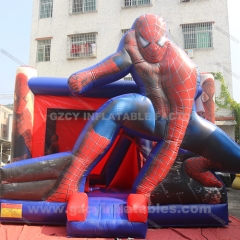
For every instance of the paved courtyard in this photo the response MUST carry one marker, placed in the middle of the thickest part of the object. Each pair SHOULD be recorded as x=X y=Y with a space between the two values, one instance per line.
x=233 y=202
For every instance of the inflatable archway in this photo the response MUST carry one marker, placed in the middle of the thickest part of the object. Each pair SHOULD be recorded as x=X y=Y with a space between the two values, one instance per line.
x=113 y=158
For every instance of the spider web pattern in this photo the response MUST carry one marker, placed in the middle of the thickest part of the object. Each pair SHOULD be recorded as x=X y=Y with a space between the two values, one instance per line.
x=21 y=126
x=198 y=169
x=81 y=79
x=150 y=76
x=21 y=91
x=207 y=99
x=170 y=81
x=91 y=147
x=178 y=79
x=152 y=29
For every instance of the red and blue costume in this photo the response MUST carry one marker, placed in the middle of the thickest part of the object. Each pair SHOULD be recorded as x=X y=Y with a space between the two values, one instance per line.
x=169 y=81
x=22 y=124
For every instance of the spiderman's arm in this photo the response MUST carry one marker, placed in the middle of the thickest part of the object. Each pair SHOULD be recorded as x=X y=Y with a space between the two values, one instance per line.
x=111 y=69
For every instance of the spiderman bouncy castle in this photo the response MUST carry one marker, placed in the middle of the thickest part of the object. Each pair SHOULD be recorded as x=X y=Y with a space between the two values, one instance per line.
x=144 y=158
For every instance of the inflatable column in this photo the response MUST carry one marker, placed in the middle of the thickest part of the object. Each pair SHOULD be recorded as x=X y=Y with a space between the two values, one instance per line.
x=22 y=115
x=205 y=104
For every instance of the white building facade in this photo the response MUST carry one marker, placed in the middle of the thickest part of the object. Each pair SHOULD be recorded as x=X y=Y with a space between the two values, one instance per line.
x=6 y=123
x=6 y=117
x=69 y=35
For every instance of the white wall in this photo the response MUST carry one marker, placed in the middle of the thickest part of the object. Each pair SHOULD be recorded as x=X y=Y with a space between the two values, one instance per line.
x=229 y=130
x=10 y=123
x=108 y=21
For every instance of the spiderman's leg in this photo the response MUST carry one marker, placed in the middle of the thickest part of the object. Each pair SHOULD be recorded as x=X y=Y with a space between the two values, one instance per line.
x=124 y=111
x=219 y=152
x=153 y=170
x=199 y=168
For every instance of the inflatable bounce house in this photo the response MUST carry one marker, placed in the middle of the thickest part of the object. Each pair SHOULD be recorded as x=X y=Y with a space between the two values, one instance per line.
x=111 y=158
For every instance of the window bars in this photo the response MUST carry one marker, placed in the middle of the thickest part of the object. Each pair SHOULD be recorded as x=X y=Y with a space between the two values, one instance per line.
x=43 y=50
x=198 y=35
x=128 y=78
x=130 y=3
x=82 y=45
x=80 y=6
x=46 y=7
x=124 y=31
x=192 y=0
x=4 y=131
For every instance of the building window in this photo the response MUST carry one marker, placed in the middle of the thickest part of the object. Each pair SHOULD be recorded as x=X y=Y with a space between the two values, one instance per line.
x=192 y=0
x=128 y=78
x=124 y=31
x=43 y=50
x=80 y=6
x=82 y=45
x=3 y=130
x=130 y=3
x=46 y=7
x=198 y=35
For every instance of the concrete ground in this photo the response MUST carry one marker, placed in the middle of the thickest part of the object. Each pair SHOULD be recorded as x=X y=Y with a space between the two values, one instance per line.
x=233 y=202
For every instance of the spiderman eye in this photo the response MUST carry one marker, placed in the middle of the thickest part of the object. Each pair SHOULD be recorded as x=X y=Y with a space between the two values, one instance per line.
x=162 y=41
x=144 y=42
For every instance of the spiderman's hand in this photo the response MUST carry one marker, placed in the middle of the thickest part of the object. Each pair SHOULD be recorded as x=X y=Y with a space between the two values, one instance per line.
x=78 y=81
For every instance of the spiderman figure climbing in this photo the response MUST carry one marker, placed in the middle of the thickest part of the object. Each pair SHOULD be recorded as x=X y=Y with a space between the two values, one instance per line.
x=168 y=81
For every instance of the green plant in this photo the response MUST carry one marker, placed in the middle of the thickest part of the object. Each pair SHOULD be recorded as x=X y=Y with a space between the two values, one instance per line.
x=226 y=101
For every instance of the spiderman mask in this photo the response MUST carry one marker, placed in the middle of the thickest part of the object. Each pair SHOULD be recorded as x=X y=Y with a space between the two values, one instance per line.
x=151 y=37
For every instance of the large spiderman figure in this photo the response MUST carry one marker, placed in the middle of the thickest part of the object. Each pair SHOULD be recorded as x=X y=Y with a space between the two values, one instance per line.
x=168 y=80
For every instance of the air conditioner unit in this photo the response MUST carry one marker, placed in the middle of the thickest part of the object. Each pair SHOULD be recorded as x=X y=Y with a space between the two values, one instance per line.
x=189 y=52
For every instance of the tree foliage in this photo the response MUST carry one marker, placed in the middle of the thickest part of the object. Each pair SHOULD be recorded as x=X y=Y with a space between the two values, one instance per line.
x=226 y=101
